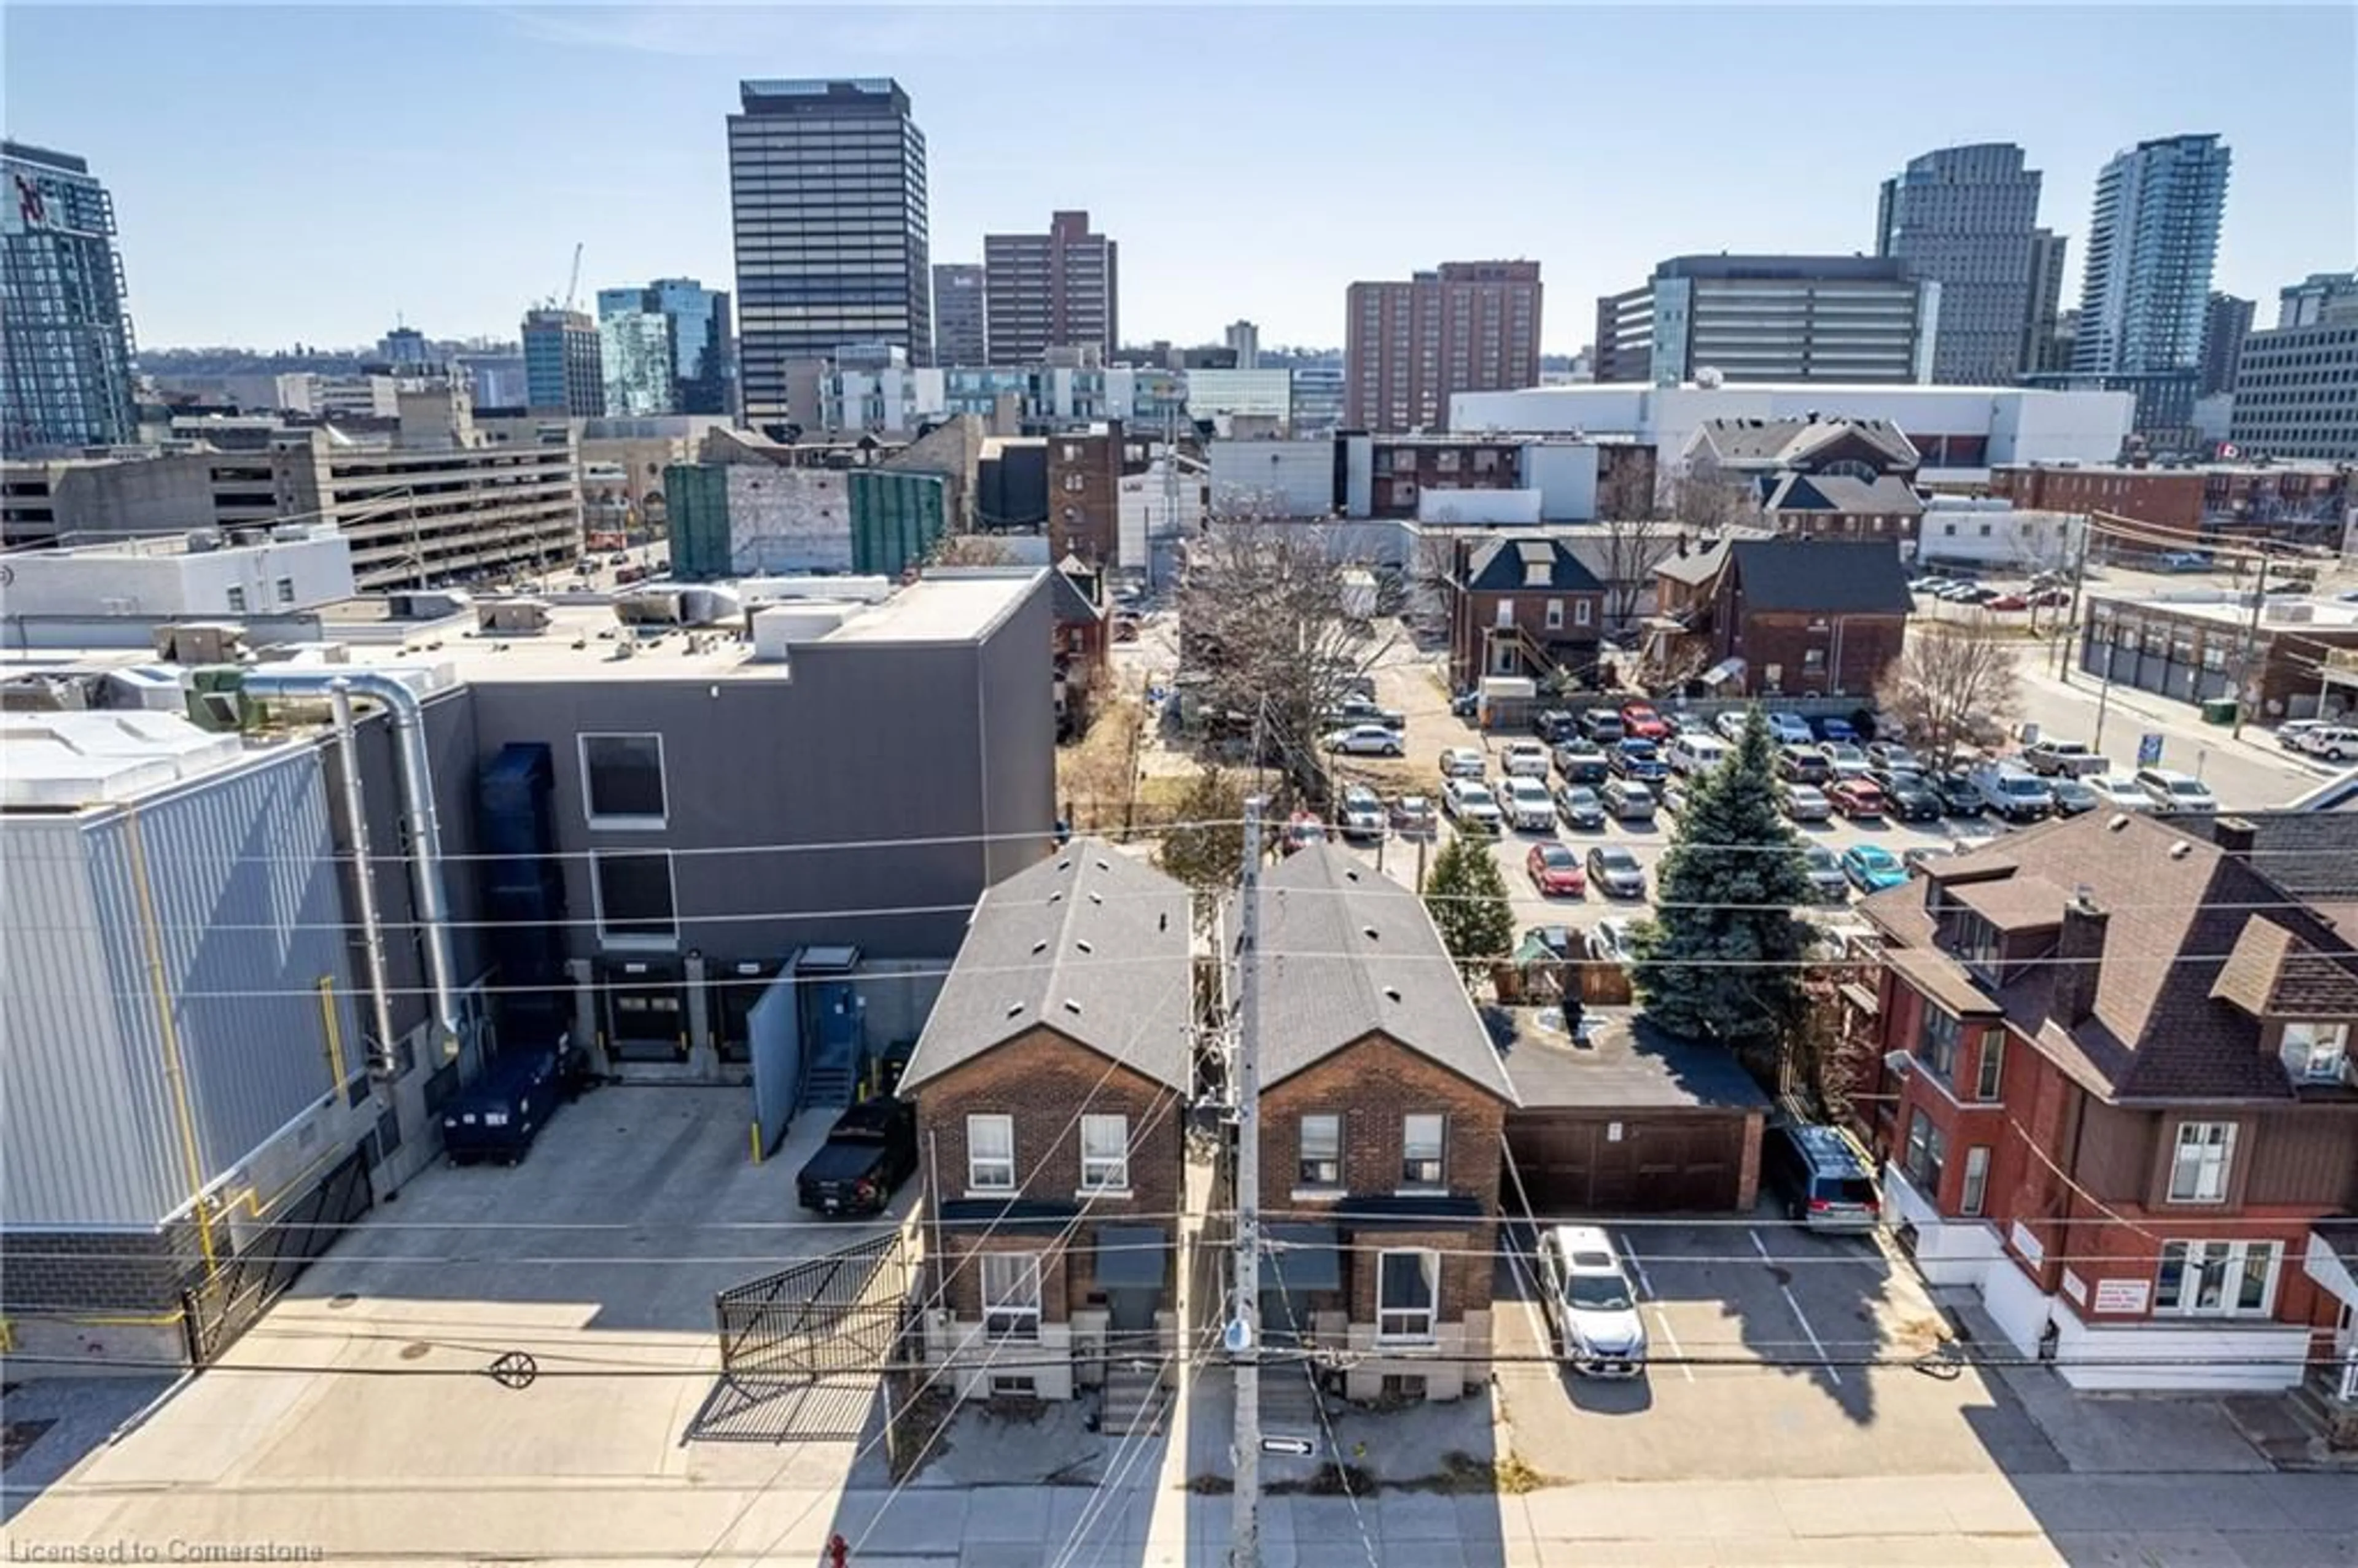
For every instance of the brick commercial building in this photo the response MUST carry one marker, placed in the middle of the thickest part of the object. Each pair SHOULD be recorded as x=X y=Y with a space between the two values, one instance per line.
x=1085 y=472
x=1771 y=617
x=2167 y=499
x=1051 y=1085
x=2202 y=644
x=1057 y=290
x=2207 y=504
x=1409 y=347
x=1383 y=1107
x=2125 y=1111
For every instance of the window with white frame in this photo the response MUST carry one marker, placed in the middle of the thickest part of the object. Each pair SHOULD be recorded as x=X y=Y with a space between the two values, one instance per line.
x=1944 y=1036
x=1010 y=1295
x=2200 y=1162
x=1408 y=1295
x=1974 y=1193
x=1506 y=612
x=990 y=1153
x=237 y=601
x=1927 y=1152
x=635 y=897
x=286 y=589
x=1584 y=613
x=1105 y=1153
x=2217 y=1279
x=1989 y=1077
x=1322 y=1150
x=1421 y=1141
x=1555 y=614
x=2314 y=1050
x=622 y=781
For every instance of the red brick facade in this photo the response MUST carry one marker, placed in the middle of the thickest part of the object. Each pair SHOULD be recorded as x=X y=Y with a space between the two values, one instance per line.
x=2169 y=499
x=1085 y=496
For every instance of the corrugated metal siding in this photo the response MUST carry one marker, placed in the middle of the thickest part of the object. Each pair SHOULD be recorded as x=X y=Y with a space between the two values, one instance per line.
x=248 y=917
x=76 y=1122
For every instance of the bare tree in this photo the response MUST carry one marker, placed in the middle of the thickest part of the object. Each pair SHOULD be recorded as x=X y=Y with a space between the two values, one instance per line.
x=1952 y=678
x=1262 y=618
x=971 y=550
x=1704 y=499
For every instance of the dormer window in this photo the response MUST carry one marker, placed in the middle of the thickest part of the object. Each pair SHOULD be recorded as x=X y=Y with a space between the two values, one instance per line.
x=2314 y=1050
x=1978 y=944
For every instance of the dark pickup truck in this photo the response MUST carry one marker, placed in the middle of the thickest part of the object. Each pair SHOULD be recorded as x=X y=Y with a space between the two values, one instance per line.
x=872 y=1149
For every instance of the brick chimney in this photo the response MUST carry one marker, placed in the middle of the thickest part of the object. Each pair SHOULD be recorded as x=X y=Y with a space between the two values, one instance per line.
x=2078 y=952
x=2234 y=835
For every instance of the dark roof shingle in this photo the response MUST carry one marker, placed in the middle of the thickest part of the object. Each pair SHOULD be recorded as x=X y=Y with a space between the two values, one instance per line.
x=1841 y=576
x=1502 y=565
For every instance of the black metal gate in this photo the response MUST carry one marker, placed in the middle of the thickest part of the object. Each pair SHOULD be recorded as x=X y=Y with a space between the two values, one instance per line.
x=217 y=1310
x=831 y=1315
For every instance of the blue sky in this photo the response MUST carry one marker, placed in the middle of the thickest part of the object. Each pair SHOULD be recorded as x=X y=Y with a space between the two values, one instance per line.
x=287 y=174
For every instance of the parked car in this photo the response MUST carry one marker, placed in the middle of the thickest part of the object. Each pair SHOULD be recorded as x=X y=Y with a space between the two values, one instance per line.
x=1590 y=1302
x=1695 y=752
x=1825 y=874
x=2008 y=602
x=2118 y=791
x=2012 y=794
x=1469 y=804
x=870 y=1151
x=1835 y=727
x=1463 y=762
x=1581 y=761
x=2289 y=733
x=1790 y=729
x=1602 y=725
x=2334 y=742
x=1803 y=764
x=1527 y=802
x=1825 y=1178
x=1920 y=859
x=1359 y=710
x=1560 y=941
x=1871 y=868
x=1670 y=795
x=1616 y=872
x=1893 y=755
x=1636 y=759
x=1413 y=818
x=1960 y=797
x=1365 y=740
x=2173 y=791
x=1523 y=759
x=1554 y=725
x=1805 y=803
x=1847 y=760
x=2051 y=759
x=1579 y=806
x=1640 y=719
x=1555 y=870
x=1856 y=799
x=1364 y=817
x=1628 y=800
x=1610 y=939
x=1908 y=796
x=1731 y=724
x=2072 y=797
x=1302 y=829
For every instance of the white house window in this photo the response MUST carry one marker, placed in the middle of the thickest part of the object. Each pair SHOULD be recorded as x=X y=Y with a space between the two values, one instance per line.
x=990 y=1153
x=2200 y=1162
x=635 y=897
x=1583 y=613
x=1555 y=614
x=1322 y=1152
x=1975 y=1192
x=1927 y=1152
x=2218 y=1279
x=1942 y=1034
x=1408 y=1295
x=1421 y=1151
x=1506 y=612
x=1010 y=1295
x=622 y=781
x=286 y=588
x=2314 y=1051
x=1991 y=1074
x=237 y=601
x=1105 y=1153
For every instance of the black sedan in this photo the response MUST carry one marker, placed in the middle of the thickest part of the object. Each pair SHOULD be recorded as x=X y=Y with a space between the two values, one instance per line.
x=1910 y=797
x=1959 y=796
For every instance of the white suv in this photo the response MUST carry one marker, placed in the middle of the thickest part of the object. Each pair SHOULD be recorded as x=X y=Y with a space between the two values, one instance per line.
x=1528 y=804
x=1590 y=1302
x=1526 y=759
x=2174 y=791
x=2334 y=742
x=1470 y=805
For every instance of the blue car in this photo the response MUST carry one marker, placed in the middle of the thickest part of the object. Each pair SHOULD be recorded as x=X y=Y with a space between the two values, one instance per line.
x=1872 y=868
x=1790 y=729
x=1831 y=729
x=1636 y=759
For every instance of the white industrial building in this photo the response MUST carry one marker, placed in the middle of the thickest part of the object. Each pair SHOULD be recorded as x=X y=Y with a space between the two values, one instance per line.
x=205 y=573
x=1962 y=431
x=1332 y=476
x=1988 y=533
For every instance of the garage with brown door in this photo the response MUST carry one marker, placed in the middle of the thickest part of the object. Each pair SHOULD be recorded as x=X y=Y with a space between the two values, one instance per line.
x=1626 y=1119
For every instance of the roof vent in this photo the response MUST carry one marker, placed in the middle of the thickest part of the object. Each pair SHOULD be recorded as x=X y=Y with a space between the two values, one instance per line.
x=1351 y=876
x=2180 y=849
x=1097 y=898
x=1391 y=993
x=1039 y=947
x=1072 y=1006
x=1105 y=866
x=2120 y=820
x=1372 y=934
x=1013 y=1008
x=1066 y=865
x=1085 y=946
x=1056 y=897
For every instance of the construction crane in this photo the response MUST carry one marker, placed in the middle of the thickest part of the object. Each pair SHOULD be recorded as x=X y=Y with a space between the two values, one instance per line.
x=573 y=278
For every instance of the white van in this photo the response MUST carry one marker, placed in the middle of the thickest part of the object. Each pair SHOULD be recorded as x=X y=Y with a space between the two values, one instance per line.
x=1695 y=753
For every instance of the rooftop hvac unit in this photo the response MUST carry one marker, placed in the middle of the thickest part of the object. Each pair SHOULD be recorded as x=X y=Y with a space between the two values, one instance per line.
x=201 y=541
x=200 y=643
x=303 y=653
x=429 y=604
x=651 y=607
x=143 y=686
x=511 y=617
x=50 y=694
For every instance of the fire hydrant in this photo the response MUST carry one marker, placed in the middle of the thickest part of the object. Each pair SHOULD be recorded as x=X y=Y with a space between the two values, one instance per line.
x=838 y=1550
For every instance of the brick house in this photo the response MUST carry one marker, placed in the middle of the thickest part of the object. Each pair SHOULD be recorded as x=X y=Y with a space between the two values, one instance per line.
x=1767 y=617
x=1522 y=606
x=1829 y=478
x=1050 y=1084
x=1084 y=638
x=1084 y=470
x=1383 y=1106
x=2120 y=1101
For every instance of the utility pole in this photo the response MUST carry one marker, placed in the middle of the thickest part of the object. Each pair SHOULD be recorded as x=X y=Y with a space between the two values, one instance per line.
x=2248 y=666
x=1243 y=1336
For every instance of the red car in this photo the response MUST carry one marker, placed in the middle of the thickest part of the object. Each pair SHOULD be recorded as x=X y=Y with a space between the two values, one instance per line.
x=1302 y=830
x=2007 y=602
x=1556 y=871
x=1639 y=720
x=1857 y=799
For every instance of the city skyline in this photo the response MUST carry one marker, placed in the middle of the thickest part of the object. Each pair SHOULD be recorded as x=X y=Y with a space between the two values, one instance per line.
x=648 y=196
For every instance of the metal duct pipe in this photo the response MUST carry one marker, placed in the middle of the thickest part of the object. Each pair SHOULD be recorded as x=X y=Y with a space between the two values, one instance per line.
x=339 y=697
x=417 y=788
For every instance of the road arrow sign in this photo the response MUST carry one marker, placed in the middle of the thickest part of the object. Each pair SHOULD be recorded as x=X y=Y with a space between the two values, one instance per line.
x=1298 y=1447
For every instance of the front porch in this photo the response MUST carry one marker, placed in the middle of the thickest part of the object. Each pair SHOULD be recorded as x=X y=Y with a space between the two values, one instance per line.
x=1382 y=1313
x=2331 y=1260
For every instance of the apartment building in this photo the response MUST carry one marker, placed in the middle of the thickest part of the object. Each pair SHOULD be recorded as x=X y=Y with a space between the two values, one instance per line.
x=68 y=342
x=1061 y=290
x=2153 y=236
x=1759 y=319
x=564 y=365
x=1967 y=217
x=959 y=337
x=2296 y=386
x=1412 y=346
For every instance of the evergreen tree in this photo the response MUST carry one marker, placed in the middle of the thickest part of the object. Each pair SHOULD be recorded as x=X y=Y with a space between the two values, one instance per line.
x=1205 y=847
x=1467 y=899
x=1721 y=960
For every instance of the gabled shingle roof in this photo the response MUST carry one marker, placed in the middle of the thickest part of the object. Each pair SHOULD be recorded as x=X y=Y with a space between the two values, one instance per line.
x=1092 y=944
x=1503 y=565
x=1073 y=605
x=2192 y=939
x=1842 y=495
x=1788 y=443
x=1840 y=577
x=1347 y=952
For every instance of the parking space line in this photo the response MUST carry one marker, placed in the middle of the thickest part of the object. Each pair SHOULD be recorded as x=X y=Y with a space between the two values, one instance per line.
x=1645 y=1290
x=1637 y=1268
x=1799 y=1315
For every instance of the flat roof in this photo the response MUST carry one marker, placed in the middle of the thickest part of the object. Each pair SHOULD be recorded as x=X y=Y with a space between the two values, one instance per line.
x=2292 y=612
x=954 y=606
x=70 y=761
x=1626 y=1064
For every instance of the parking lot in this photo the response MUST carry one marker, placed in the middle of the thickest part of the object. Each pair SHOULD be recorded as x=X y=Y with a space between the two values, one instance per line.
x=1804 y=1364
